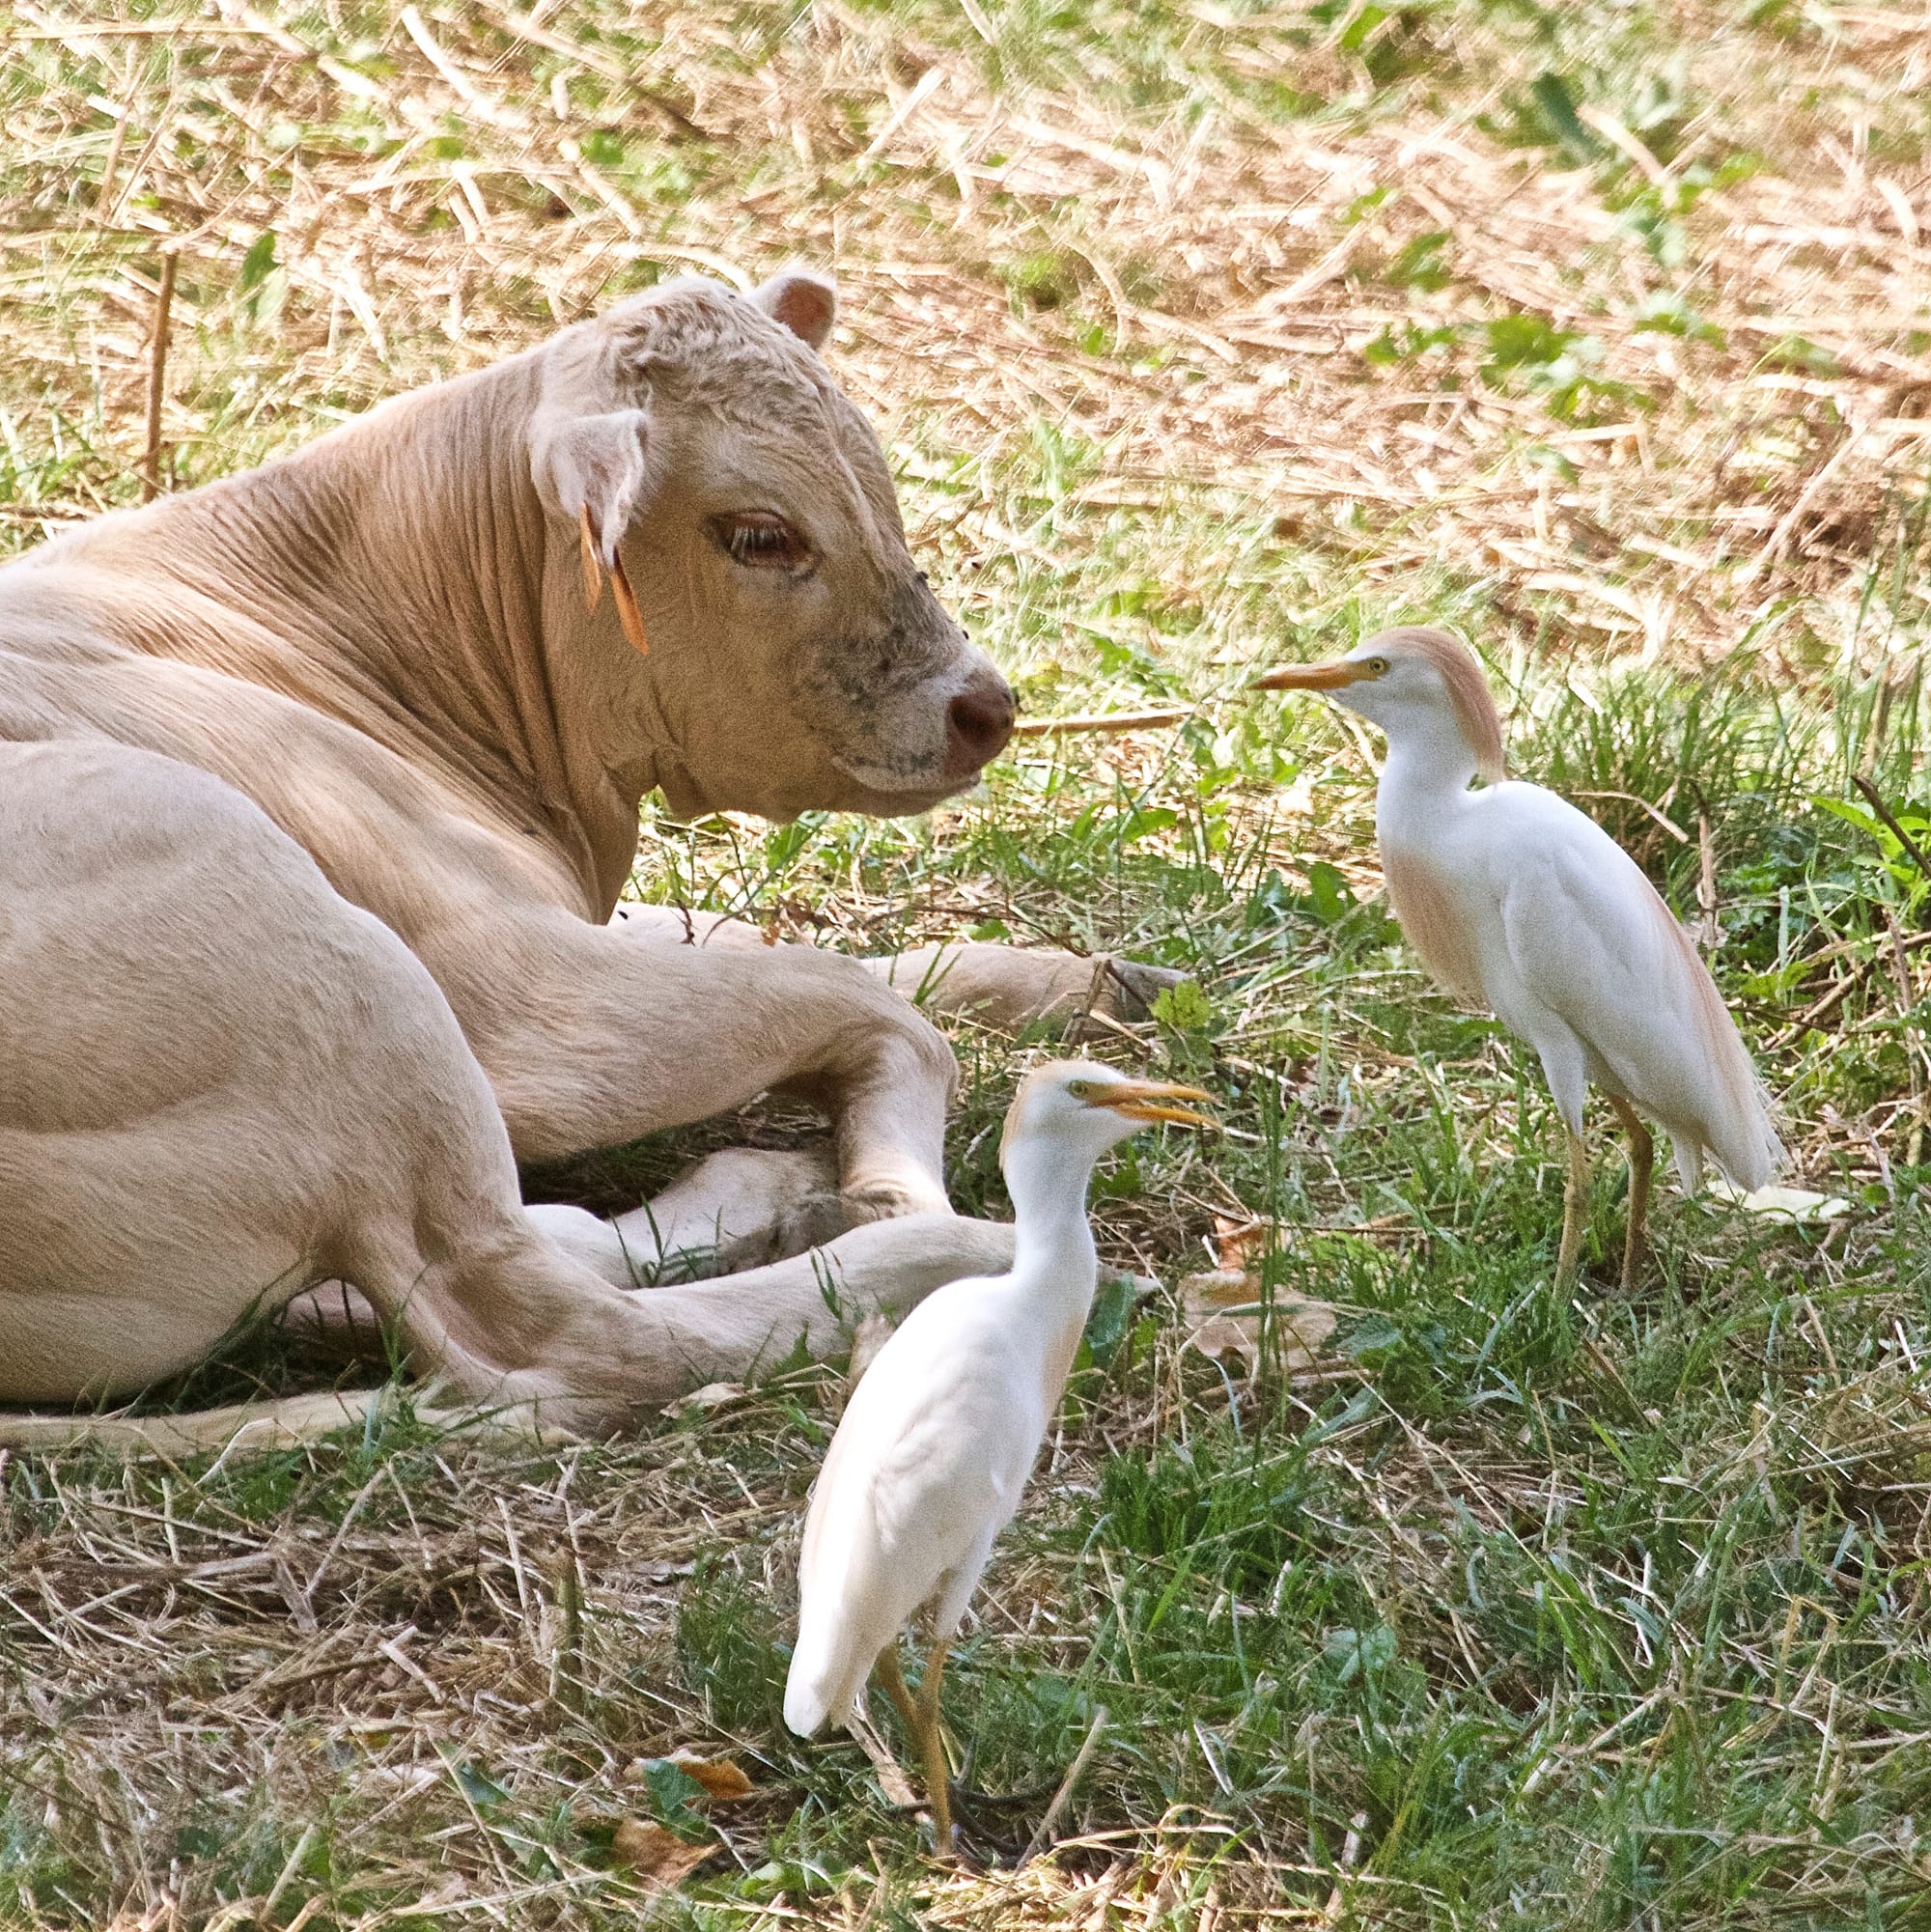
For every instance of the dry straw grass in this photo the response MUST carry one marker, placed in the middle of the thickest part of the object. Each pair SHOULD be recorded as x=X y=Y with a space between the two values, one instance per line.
x=396 y=1683
x=1257 y=243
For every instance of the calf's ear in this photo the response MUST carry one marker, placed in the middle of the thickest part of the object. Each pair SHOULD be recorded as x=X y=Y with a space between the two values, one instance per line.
x=590 y=471
x=593 y=467
x=805 y=301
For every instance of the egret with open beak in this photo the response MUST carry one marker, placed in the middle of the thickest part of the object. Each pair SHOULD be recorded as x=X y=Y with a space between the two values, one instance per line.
x=934 y=1447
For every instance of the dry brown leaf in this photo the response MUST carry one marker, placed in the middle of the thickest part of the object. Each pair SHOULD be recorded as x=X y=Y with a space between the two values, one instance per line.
x=720 y=1776
x=712 y=1395
x=658 y=1855
x=1223 y=1315
x=1237 y=1244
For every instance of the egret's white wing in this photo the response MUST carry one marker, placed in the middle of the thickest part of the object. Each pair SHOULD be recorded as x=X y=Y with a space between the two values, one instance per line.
x=926 y=1467
x=1591 y=940
x=1582 y=936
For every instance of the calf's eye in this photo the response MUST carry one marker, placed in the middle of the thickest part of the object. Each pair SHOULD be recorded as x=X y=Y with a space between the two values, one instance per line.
x=761 y=540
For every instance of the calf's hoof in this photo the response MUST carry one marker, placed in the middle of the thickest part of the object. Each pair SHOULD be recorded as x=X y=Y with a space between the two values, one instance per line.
x=888 y=1200
x=807 y=1224
x=335 y=1323
x=1127 y=989
x=1123 y=989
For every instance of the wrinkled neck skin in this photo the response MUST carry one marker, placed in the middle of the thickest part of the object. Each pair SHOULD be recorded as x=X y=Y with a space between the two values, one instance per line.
x=398 y=574
x=1425 y=777
x=1055 y=1262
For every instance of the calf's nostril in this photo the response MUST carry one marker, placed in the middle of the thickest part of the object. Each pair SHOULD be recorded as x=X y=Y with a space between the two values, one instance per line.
x=979 y=723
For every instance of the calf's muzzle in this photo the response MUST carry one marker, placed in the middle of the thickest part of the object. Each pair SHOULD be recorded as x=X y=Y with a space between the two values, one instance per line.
x=978 y=722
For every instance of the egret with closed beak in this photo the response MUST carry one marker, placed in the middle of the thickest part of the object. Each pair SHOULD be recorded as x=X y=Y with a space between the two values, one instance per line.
x=935 y=1444
x=1518 y=902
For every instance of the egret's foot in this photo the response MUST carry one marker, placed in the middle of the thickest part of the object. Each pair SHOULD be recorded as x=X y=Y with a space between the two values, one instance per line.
x=1636 y=1257
x=994 y=1821
x=983 y=1822
x=959 y=1799
x=951 y=1849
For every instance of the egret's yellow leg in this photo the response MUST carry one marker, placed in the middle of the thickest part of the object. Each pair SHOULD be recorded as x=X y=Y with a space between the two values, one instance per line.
x=1642 y=1163
x=886 y=1670
x=1574 y=1212
x=925 y=1727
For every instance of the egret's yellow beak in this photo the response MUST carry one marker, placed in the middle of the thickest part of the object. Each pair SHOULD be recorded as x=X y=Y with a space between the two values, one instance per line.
x=1331 y=675
x=1143 y=1099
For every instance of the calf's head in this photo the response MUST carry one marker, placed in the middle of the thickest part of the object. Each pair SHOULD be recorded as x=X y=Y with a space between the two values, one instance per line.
x=783 y=653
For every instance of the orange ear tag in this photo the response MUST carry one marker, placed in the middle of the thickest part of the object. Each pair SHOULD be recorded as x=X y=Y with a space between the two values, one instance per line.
x=628 y=613
x=593 y=570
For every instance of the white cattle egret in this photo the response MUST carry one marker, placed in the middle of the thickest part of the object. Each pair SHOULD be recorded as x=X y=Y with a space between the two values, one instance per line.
x=938 y=1441
x=1518 y=902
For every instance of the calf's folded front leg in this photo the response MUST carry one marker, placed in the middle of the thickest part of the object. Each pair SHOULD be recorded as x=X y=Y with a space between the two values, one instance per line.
x=995 y=984
x=589 y=1038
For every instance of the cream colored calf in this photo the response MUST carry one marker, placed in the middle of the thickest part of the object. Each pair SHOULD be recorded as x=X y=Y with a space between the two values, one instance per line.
x=300 y=1103
x=316 y=790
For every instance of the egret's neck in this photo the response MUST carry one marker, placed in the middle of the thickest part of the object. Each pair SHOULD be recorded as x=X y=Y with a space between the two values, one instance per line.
x=1428 y=768
x=1052 y=1243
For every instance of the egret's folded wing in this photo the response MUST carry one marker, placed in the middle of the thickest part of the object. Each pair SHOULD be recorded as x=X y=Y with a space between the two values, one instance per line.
x=910 y=1490
x=1580 y=924
x=1591 y=938
x=944 y=1486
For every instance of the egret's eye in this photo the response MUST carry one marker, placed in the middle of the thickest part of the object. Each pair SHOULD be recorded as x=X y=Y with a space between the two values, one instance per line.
x=761 y=540
x=1378 y=666
x=1081 y=1089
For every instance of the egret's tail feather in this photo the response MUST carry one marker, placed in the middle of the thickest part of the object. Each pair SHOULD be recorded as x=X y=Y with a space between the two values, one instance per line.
x=1736 y=1128
x=805 y=1708
x=825 y=1679
x=1749 y=1153
x=1742 y=1136
x=1689 y=1152
x=1756 y=1157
